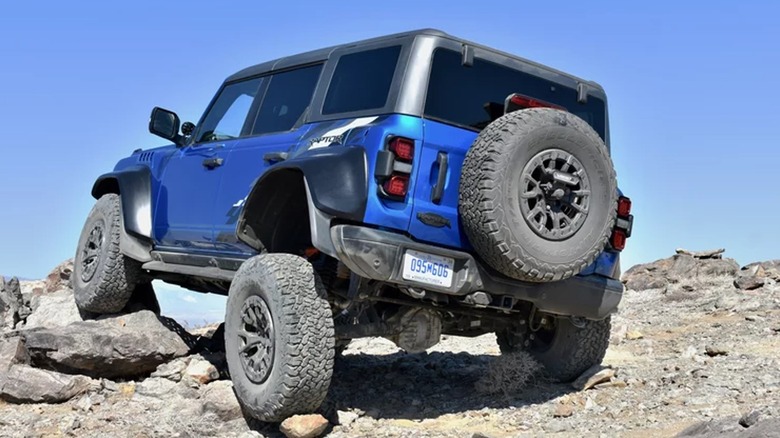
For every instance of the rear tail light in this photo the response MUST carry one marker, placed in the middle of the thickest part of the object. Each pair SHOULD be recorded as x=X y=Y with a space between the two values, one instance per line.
x=403 y=148
x=618 y=240
x=623 y=224
x=396 y=185
x=394 y=167
x=624 y=207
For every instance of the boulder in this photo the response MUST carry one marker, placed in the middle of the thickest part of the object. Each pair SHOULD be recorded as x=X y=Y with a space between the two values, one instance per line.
x=11 y=352
x=11 y=303
x=218 y=398
x=681 y=267
x=201 y=370
x=748 y=282
x=118 y=346
x=56 y=309
x=304 y=426
x=59 y=277
x=24 y=384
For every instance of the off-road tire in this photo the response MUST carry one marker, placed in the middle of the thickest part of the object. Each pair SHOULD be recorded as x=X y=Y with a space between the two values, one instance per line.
x=490 y=187
x=303 y=338
x=114 y=275
x=568 y=352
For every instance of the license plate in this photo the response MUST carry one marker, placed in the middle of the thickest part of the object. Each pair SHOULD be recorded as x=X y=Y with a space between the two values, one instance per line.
x=428 y=268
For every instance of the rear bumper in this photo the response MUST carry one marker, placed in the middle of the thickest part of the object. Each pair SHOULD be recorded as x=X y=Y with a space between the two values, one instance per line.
x=378 y=255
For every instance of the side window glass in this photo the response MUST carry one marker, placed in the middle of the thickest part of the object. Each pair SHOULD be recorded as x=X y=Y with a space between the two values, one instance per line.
x=362 y=80
x=226 y=118
x=289 y=95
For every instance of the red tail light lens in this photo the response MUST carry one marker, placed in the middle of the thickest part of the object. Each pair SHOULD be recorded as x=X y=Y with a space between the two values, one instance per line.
x=618 y=240
x=624 y=206
x=397 y=185
x=403 y=148
x=529 y=102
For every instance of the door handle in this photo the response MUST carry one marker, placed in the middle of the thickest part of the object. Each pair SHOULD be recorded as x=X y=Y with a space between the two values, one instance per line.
x=438 y=189
x=211 y=163
x=275 y=157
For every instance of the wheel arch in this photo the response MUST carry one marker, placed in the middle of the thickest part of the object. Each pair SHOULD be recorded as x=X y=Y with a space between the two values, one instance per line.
x=134 y=187
x=291 y=206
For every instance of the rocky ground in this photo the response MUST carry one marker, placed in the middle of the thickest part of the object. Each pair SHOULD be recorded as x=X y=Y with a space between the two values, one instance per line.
x=695 y=351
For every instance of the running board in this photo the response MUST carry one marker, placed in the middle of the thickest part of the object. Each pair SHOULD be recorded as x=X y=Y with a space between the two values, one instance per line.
x=209 y=272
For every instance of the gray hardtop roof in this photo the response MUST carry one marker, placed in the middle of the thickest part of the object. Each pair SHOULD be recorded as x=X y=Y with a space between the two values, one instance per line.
x=323 y=54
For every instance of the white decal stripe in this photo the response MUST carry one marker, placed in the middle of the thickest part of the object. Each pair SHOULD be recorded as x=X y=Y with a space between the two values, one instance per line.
x=362 y=121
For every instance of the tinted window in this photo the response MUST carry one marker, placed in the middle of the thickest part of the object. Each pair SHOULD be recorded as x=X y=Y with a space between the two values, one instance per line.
x=362 y=81
x=226 y=118
x=289 y=94
x=463 y=95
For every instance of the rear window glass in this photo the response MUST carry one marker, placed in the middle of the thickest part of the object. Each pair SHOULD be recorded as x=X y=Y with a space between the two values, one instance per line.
x=362 y=81
x=462 y=95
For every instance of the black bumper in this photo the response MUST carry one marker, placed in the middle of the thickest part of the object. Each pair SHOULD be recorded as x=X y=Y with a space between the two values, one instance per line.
x=378 y=255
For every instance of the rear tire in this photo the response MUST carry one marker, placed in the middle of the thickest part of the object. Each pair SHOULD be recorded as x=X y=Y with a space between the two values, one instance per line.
x=279 y=337
x=103 y=278
x=538 y=195
x=566 y=350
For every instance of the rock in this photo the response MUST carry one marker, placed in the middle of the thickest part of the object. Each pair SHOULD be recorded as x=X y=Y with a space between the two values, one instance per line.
x=156 y=387
x=682 y=267
x=708 y=254
x=713 y=351
x=749 y=418
x=118 y=346
x=634 y=335
x=563 y=410
x=56 y=309
x=612 y=384
x=11 y=303
x=24 y=384
x=201 y=370
x=218 y=398
x=172 y=370
x=345 y=418
x=11 y=353
x=748 y=282
x=592 y=377
x=304 y=426
x=59 y=277
x=717 y=267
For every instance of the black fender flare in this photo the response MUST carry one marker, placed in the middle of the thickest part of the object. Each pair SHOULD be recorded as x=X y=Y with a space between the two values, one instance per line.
x=134 y=187
x=336 y=186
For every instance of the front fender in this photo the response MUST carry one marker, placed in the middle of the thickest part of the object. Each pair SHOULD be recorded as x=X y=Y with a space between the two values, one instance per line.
x=134 y=186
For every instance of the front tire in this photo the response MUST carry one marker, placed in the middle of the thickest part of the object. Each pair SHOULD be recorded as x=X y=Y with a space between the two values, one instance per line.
x=279 y=337
x=103 y=278
x=564 y=349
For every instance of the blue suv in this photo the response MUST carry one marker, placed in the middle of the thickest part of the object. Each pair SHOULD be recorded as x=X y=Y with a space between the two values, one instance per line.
x=406 y=186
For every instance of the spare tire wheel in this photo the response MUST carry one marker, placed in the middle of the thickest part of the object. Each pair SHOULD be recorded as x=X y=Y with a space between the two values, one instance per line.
x=538 y=195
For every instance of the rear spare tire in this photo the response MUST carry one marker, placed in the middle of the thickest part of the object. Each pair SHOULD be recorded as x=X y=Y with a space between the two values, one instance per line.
x=538 y=195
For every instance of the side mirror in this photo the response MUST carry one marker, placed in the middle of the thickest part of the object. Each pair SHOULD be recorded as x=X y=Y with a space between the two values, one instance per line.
x=165 y=124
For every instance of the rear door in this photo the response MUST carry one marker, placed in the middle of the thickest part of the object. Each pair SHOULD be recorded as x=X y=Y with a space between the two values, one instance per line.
x=275 y=127
x=184 y=217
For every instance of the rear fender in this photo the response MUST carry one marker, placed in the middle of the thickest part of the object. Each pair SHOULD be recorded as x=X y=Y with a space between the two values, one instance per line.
x=317 y=186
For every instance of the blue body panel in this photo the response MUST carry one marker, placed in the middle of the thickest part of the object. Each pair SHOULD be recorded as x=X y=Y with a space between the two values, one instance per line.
x=195 y=209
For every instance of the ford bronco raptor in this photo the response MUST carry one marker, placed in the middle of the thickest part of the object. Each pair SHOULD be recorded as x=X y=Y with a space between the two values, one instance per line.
x=406 y=186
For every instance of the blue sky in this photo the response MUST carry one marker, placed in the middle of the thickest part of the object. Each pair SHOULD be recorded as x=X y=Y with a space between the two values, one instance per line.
x=693 y=89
